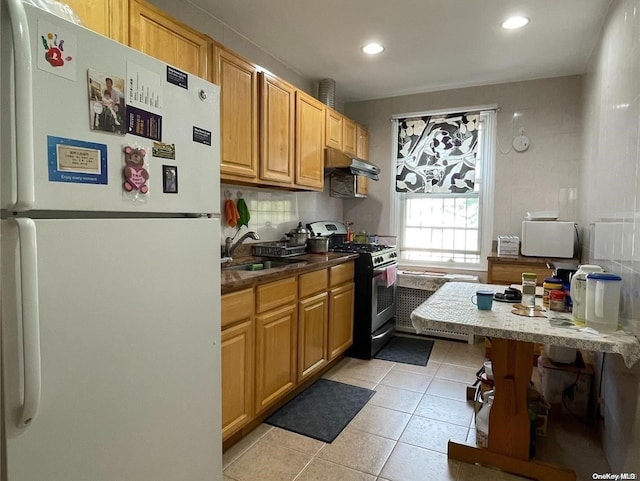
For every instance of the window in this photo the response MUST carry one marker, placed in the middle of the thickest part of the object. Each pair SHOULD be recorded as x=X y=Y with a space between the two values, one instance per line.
x=444 y=184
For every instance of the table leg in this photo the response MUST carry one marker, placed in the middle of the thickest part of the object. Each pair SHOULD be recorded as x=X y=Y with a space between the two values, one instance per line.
x=509 y=419
x=509 y=425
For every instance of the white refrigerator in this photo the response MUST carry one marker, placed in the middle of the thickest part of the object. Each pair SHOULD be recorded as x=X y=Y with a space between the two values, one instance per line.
x=110 y=284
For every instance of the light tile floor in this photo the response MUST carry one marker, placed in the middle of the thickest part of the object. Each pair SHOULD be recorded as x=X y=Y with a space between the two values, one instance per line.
x=402 y=433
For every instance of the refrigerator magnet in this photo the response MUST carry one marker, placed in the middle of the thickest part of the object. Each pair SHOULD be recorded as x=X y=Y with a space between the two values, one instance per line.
x=135 y=173
x=201 y=136
x=106 y=102
x=76 y=161
x=164 y=151
x=144 y=124
x=56 y=50
x=177 y=77
x=170 y=179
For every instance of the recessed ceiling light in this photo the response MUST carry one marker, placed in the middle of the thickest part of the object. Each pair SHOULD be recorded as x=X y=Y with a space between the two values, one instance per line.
x=515 y=22
x=372 y=48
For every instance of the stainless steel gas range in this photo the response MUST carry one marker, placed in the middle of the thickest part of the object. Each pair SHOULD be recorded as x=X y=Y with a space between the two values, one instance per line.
x=375 y=290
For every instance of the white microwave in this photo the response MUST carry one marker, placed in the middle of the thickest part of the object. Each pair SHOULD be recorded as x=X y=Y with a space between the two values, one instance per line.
x=542 y=238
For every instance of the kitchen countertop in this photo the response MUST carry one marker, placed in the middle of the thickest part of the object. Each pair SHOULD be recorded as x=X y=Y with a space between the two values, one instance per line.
x=234 y=280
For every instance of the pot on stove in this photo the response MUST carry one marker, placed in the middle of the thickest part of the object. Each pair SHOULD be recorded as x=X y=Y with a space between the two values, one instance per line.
x=318 y=244
x=298 y=236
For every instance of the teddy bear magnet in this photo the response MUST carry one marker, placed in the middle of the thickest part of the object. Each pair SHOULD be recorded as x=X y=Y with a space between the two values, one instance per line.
x=135 y=173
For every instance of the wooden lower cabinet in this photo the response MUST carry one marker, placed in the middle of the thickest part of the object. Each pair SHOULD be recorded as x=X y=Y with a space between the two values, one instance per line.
x=340 y=319
x=278 y=335
x=276 y=355
x=312 y=334
x=237 y=356
x=237 y=377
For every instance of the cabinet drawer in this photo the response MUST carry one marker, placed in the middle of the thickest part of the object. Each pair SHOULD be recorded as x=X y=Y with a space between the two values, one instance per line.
x=312 y=282
x=340 y=273
x=236 y=306
x=276 y=294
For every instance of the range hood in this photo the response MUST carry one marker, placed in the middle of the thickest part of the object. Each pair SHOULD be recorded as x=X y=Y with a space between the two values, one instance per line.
x=334 y=159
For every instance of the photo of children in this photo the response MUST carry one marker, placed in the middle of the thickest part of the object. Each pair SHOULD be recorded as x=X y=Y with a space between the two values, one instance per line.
x=106 y=102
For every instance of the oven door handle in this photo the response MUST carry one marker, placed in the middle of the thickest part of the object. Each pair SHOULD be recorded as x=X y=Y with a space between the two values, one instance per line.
x=378 y=273
x=381 y=270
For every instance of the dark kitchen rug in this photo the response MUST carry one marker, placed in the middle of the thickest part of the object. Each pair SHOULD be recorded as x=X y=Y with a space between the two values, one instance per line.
x=322 y=410
x=407 y=350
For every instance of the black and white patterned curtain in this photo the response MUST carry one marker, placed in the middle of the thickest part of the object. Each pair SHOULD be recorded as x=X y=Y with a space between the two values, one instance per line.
x=437 y=153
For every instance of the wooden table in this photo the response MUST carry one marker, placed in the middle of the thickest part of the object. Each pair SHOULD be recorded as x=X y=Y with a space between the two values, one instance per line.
x=513 y=338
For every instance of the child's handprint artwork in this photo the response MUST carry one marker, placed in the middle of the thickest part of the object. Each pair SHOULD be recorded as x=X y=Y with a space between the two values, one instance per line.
x=53 y=50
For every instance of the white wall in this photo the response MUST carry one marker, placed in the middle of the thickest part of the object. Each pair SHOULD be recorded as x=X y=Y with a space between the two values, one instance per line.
x=545 y=177
x=610 y=187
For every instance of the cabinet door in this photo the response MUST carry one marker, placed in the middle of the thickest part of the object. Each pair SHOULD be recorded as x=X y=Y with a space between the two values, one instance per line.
x=309 y=142
x=362 y=185
x=238 y=82
x=340 y=319
x=277 y=128
x=333 y=126
x=237 y=376
x=155 y=33
x=349 y=141
x=107 y=17
x=362 y=141
x=276 y=339
x=312 y=334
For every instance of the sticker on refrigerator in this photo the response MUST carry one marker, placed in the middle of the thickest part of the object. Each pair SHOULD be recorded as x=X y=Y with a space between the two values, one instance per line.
x=106 y=102
x=76 y=161
x=170 y=179
x=144 y=88
x=143 y=123
x=201 y=136
x=135 y=173
x=56 y=50
x=177 y=77
x=163 y=150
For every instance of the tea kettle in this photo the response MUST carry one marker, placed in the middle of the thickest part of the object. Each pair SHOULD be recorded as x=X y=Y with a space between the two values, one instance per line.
x=298 y=236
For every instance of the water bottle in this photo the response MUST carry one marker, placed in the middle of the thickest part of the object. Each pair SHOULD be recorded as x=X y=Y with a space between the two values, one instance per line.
x=529 y=281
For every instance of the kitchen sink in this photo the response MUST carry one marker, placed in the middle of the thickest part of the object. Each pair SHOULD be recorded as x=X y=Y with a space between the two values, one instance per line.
x=262 y=265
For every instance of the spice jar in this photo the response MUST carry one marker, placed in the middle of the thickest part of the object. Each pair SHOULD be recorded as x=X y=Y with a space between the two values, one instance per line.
x=550 y=284
x=529 y=281
x=556 y=300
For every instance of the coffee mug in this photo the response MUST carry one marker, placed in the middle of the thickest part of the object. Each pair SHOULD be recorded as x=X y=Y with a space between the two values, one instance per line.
x=483 y=299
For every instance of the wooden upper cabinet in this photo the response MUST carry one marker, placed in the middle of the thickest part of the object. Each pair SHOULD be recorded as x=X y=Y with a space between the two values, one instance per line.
x=362 y=185
x=349 y=141
x=238 y=81
x=333 y=121
x=155 y=33
x=362 y=142
x=107 y=17
x=310 y=120
x=277 y=129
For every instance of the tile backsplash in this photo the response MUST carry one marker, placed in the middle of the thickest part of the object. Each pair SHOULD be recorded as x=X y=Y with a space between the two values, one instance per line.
x=274 y=212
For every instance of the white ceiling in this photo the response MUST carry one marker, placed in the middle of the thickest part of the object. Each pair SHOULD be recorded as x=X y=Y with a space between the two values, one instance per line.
x=430 y=44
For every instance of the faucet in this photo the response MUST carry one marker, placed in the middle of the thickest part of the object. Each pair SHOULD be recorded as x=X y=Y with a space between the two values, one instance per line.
x=229 y=246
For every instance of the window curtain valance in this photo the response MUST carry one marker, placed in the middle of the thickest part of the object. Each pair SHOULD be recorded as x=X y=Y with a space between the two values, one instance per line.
x=437 y=153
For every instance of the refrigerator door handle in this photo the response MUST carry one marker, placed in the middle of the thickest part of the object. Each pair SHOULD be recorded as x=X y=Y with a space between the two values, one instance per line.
x=30 y=320
x=23 y=170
